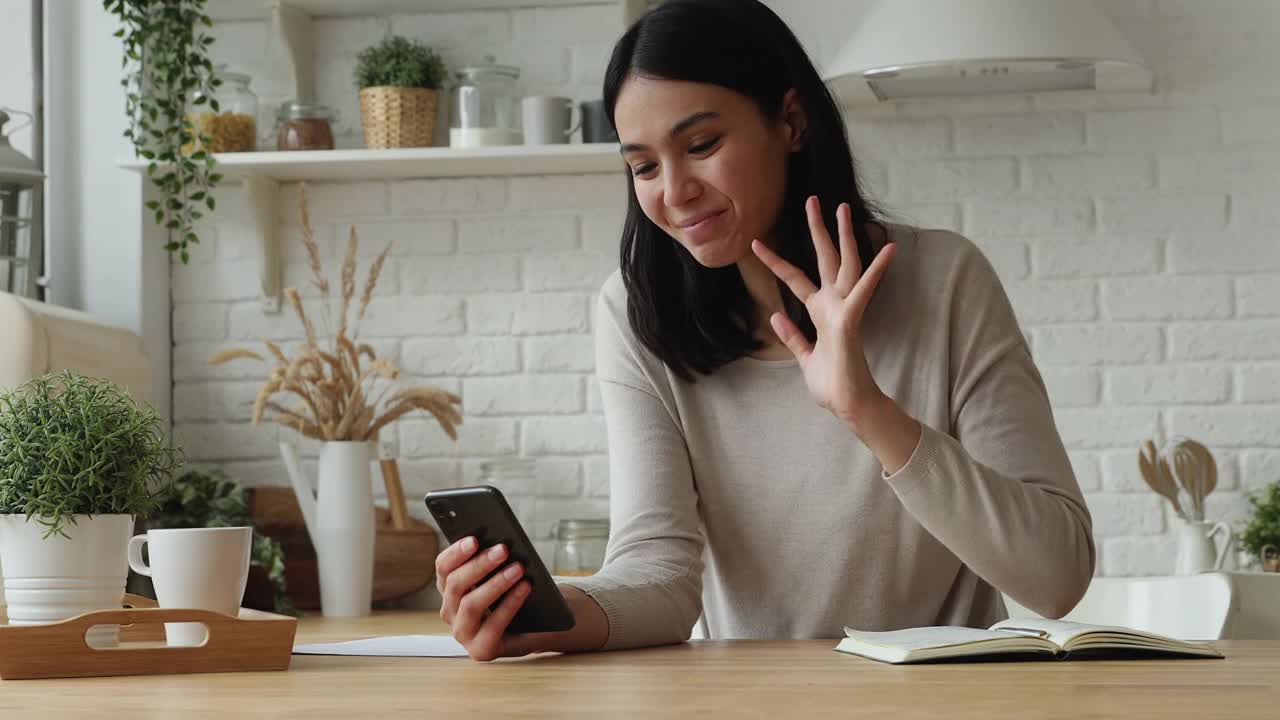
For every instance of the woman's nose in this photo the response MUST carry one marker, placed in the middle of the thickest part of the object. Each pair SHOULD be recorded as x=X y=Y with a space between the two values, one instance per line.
x=681 y=188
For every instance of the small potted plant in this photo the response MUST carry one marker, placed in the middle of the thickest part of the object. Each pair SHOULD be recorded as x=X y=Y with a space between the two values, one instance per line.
x=80 y=461
x=399 y=81
x=1260 y=535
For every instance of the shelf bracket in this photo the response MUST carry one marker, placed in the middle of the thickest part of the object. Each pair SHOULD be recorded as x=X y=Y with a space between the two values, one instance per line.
x=260 y=194
x=292 y=26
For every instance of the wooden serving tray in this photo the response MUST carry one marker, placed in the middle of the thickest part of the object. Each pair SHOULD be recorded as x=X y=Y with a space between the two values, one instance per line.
x=254 y=641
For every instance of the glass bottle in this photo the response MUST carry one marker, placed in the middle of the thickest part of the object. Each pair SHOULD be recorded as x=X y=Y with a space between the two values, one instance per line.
x=485 y=106
x=234 y=127
x=580 y=546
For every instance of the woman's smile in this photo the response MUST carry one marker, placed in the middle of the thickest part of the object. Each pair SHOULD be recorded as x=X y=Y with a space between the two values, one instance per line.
x=704 y=226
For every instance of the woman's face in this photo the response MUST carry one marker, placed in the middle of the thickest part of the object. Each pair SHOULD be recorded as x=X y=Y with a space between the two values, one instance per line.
x=708 y=167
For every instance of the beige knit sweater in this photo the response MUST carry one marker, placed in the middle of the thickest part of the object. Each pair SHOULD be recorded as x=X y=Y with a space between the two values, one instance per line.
x=739 y=497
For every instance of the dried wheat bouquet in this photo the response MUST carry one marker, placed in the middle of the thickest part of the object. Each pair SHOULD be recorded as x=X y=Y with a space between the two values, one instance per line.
x=330 y=393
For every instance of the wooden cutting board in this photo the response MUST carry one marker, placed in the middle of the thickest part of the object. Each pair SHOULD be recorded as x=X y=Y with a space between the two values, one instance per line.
x=404 y=559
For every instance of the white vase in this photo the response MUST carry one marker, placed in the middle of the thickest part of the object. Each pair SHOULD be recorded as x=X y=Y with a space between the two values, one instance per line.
x=340 y=519
x=1197 y=551
x=55 y=578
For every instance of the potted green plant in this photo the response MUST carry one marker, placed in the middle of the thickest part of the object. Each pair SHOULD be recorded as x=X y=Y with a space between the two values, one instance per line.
x=211 y=499
x=80 y=461
x=1260 y=534
x=399 y=81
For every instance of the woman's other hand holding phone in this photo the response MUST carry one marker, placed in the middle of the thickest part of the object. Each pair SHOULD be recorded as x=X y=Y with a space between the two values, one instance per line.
x=460 y=574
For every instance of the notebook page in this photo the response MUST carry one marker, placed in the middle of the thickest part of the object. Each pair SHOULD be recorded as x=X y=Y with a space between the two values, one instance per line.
x=392 y=646
x=924 y=638
x=1060 y=632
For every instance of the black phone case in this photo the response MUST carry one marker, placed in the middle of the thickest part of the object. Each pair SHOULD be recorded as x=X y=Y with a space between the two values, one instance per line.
x=482 y=511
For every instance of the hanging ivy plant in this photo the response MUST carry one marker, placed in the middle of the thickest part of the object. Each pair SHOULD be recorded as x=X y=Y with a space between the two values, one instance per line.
x=166 y=60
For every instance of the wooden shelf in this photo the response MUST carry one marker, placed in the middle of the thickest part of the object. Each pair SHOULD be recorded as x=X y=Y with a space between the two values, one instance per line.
x=292 y=26
x=411 y=163
x=260 y=174
x=261 y=9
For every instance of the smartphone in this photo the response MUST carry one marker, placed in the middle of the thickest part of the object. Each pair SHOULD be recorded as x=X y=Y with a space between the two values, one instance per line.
x=483 y=512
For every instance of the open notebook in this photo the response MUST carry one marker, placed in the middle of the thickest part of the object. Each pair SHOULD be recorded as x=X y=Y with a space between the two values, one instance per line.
x=1034 y=637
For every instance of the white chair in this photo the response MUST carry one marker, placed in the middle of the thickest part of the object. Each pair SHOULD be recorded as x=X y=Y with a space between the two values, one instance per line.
x=1193 y=607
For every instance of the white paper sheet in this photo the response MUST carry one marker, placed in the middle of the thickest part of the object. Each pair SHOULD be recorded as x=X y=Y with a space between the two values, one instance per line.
x=391 y=646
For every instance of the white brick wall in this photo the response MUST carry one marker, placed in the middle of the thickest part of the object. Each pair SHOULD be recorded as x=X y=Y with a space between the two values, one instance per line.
x=1136 y=236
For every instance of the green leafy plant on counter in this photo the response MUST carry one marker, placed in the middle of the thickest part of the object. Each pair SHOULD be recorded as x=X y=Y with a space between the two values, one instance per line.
x=1263 y=526
x=166 y=61
x=74 y=445
x=397 y=61
x=198 y=499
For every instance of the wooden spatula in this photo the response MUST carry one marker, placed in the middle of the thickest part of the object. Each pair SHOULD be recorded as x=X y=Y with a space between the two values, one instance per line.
x=1155 y=471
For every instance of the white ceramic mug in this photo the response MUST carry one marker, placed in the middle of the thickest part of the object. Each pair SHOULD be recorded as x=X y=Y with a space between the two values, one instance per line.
x=200 y=568
x=548 y=119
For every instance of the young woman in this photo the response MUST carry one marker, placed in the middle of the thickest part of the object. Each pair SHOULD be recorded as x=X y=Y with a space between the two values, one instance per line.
x=816 y=417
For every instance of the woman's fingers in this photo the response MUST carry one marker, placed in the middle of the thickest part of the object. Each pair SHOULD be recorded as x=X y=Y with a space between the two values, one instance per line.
x=475 y=605
x=452 y=558
x=850 y=263
x=865 y=289
x=487 y=644
x=792 y=276
x=790 y=335
x=828 y=261
x=462 y=580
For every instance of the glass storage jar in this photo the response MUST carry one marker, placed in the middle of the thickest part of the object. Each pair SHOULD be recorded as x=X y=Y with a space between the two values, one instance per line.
x=233 y=127
x=580 y=546
x=304 y=126
x=484 y=106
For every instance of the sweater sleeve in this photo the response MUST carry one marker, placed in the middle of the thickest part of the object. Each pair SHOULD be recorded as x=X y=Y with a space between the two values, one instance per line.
x=651 y=584
x=998 y=489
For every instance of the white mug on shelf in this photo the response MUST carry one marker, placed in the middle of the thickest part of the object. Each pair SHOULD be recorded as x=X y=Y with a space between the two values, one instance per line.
x=547 y=119
x=196 y=568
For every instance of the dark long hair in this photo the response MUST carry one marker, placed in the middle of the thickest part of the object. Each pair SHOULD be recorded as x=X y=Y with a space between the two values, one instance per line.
x=692 y=317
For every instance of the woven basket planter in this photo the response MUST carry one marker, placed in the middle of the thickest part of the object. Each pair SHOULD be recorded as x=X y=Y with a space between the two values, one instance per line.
x=398 y=117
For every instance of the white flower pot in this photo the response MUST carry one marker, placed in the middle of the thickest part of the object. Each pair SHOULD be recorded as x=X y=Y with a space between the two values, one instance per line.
x=55 y=578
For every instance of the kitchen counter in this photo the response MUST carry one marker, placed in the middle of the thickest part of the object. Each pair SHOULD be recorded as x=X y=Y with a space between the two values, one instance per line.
x=702 y=678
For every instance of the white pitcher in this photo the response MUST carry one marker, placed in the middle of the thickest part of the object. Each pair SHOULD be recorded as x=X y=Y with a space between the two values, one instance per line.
x=340 y=522
x=1197 y=551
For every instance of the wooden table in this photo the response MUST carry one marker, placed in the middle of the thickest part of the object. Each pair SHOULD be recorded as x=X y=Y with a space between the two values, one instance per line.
x=707 y=678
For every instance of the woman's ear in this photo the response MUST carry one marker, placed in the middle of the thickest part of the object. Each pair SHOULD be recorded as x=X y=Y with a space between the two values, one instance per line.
x=794 y=120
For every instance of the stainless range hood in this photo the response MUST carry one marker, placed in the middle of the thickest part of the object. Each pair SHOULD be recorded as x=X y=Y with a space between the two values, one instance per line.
x=907 y=49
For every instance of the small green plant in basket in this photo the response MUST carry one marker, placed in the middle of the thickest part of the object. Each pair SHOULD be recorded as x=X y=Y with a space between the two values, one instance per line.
x=399 y=82
x=211 y=499
x=1260 y=535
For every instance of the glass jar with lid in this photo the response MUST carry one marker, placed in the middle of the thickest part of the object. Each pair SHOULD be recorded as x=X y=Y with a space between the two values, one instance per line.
x=580 y=546
x=233 y=127
x=484 y=106
x=304 y=126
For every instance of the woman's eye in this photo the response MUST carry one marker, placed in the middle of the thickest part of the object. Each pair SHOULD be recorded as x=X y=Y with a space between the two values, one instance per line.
x=644 y=169
x=704 y=147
